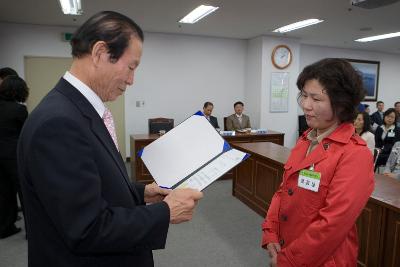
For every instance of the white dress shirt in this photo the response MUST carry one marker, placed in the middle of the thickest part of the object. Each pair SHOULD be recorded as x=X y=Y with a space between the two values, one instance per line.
x=88 y=93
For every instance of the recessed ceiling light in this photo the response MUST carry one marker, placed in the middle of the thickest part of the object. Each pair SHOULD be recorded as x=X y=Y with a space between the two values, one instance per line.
x=71 y=7
x=298 y=25
x=198 y=13
x=378 y=37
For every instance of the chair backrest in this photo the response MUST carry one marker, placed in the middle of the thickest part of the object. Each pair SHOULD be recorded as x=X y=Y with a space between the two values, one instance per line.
x=157 y=124
x=225 y=123
x=302 y=124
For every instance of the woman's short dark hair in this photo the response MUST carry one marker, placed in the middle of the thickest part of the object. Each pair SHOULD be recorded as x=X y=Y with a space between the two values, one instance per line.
x=4 y=72
x=367 y=122
x=111 y=27
x=14 y=88
x=387 y=112
x=342 y=83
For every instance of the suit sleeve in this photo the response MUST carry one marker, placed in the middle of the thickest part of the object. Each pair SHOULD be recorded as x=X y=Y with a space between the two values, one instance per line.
x=378 y=138
x=216 y=123
x=140 y=189
x=248 y=123
x=229 y=124
x=348 y=193
x=65 y=177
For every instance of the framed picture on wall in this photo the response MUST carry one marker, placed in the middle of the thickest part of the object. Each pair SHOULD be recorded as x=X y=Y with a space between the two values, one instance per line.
x=369 y=71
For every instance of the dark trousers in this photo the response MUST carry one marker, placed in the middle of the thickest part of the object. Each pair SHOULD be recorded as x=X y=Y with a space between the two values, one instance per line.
x=8 y=194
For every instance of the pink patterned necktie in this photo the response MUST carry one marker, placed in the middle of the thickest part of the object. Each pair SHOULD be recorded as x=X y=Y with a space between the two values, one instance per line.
x=109 y=122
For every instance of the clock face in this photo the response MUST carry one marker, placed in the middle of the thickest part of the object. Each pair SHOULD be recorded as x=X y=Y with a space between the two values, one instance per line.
x=281 y=56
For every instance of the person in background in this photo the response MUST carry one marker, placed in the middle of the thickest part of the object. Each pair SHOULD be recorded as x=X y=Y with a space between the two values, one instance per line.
x=377 y=116
x=238 y=121
x=397 y=108
x=13 y=90
x=367 y=109
x=82 y=208
x=361 y=107
x=311 y=218
x=207 y=110
x=4 y=72
x=386 y=135
x=392 y=168
x=363 y=129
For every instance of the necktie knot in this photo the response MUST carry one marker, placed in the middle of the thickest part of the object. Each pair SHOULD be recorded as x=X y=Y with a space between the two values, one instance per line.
x=109 y=123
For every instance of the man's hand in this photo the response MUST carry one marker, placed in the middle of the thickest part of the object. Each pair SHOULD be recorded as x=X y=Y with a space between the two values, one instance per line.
x=273 y=250
x=153 y=193
x=181 y=204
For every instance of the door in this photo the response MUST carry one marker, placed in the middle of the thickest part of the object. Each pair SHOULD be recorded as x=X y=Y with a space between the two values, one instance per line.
x=42 y=74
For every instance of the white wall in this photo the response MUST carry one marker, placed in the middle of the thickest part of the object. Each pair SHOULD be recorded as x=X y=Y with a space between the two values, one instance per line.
x=178 y=73
x=19 y=40
x=285 y=122
x=252 y=91
x=389 y=74
x=258 y=86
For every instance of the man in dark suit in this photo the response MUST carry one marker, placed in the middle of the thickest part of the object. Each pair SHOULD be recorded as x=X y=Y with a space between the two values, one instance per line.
x=13 y=90
x=82 y=209
x=377 y=116
x=207 y=110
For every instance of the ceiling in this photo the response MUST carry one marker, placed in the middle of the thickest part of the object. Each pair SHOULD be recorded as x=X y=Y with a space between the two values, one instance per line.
x=235 y=19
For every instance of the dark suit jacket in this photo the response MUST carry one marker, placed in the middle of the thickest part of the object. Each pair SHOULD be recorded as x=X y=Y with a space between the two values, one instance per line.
x=82 y=209
x=214 y=121
x=387 y=143
x=12 y=118
x=376 y=118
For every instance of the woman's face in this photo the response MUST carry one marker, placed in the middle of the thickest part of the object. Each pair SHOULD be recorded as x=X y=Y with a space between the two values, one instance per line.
x=389 y=119
x=359 y=122
x=316 y=106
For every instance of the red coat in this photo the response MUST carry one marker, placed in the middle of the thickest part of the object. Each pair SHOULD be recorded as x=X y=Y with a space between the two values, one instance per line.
x=318 y=228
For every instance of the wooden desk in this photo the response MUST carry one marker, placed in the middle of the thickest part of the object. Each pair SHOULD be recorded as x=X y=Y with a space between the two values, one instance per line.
x=256 y=180
x=138 y=141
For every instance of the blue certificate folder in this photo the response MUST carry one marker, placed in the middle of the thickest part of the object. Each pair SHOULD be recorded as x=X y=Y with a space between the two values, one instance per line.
x=193 y=154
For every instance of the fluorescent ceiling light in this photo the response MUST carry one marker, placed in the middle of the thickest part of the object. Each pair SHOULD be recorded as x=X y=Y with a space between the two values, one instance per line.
x=379 y=37
x=298 y=25
x=198 y=13
x=71 y=7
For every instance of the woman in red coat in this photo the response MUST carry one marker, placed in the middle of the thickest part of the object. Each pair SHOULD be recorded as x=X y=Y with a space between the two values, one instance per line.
x=328 y=177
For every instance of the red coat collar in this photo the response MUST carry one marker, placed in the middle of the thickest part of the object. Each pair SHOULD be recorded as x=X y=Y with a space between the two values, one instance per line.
x=341 y=134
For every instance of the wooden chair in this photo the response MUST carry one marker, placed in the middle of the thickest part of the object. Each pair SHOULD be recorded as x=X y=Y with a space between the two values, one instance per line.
x=158 y=124
x=302 y=124
x=225 y=123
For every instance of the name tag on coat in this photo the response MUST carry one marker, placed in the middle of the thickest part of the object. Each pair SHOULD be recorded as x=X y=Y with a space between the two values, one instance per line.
x=309 y=180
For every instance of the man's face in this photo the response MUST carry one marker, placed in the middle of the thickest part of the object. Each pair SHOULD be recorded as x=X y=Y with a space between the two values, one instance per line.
x=397 y=108
x=238 y=109
x=112 y=78
x=381 y=106
x=208 y=110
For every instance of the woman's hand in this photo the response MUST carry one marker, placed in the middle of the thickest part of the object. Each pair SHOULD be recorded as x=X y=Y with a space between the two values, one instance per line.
x=273 y=250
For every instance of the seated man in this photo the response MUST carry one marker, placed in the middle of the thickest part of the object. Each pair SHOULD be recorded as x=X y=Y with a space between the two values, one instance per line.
x=392 y=168
x=207 y=110
x=237 y=121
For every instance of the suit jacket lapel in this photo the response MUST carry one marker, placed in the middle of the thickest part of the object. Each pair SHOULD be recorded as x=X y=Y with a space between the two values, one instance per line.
x=98 y=127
